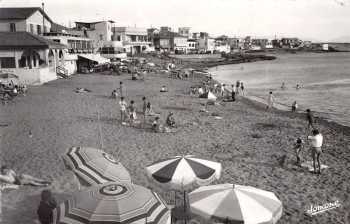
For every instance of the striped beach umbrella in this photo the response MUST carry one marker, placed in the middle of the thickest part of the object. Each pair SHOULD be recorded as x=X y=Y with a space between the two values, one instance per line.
x=113 y=203
x=230 y=203
x=182 y=172
x=95 y=166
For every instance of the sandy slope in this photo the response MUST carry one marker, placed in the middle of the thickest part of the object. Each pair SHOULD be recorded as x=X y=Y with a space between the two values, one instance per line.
x=248 y=141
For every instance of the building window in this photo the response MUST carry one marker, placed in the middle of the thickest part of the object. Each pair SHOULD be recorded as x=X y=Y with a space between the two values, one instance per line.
x=101 y=36
x=12 y=27
x=56 y=40
x=7 y=62
x=31 y=28
x=38 y=27
x=118 y=38
x=133 y=38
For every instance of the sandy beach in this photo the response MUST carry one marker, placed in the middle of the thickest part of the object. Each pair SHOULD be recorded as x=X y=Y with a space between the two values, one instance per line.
x=249 y=142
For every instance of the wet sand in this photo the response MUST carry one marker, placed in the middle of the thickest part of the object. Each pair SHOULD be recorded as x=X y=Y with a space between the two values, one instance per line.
x=248 y=141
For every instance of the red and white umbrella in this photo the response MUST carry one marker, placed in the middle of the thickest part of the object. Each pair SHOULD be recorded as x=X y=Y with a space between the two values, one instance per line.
x=113 y=203
x=230 y=203
x=95 y=166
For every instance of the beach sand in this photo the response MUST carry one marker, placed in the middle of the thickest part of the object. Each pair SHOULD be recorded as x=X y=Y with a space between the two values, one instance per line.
x=248 y=141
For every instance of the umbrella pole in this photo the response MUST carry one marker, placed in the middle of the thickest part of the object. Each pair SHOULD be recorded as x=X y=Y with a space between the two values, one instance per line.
x=185 y=207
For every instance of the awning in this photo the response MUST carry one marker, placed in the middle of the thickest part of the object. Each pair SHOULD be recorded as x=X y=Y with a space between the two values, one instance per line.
x=94 y=57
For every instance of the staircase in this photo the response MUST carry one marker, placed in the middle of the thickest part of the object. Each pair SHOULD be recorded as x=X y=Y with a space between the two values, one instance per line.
x=62 y=72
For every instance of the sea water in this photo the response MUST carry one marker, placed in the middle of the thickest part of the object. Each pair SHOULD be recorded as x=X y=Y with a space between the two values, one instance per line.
x=324 y=79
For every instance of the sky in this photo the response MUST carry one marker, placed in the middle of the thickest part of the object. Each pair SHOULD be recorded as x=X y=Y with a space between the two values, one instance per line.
x=321 y=20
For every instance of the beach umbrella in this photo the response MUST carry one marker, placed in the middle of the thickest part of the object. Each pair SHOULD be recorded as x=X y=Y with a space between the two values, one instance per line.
x=182 y=172
x=230 y=203
x=95 y=166
x=113 y=203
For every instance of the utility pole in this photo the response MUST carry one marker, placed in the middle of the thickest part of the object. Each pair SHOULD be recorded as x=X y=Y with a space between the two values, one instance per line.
x=42 y=5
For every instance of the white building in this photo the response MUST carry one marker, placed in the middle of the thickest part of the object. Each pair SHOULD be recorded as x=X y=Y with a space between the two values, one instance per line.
x=206 y=45
x=185 y=32
x=192 y=46
x=33 y=20
x=180 y=44
x=100 y=32
x=134 y=39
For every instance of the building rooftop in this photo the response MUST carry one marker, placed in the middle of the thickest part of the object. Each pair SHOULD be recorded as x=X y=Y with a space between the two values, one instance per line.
x=18 y=40
x=21 y=13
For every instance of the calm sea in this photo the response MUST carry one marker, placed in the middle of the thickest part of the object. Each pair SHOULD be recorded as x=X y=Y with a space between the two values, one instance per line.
x=325 y=81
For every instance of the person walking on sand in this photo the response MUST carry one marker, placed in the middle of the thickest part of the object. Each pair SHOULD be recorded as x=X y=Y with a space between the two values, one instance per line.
x=45 y=210
x=123 y=106
x=316 y=141
x=310 y=119
x=270 y=101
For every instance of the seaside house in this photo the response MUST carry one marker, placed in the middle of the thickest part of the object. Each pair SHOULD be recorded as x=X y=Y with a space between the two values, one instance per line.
x=185 y=32
x=206 y=45
x=78 y=49
x=100 y=32
x=134 y=39
x=153 y=37
x=31 y=57
x=290 y=42
x=23 y=49
x=33 y=20
x=179 y=44
x=260 y=43
x=192 y=46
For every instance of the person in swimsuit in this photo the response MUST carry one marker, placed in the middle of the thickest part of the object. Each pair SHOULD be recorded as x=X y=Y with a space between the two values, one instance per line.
x=9 y=176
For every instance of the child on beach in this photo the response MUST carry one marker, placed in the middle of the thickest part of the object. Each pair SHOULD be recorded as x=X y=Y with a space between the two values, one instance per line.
x=298 y=146
x=9 y=176
x=270 y=101
x=316 y=141
x=47 y=205
x=122 y=105
x=170 y=120
x=132 y=112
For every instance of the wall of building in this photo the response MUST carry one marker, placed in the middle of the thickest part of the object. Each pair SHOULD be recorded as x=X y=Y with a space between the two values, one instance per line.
x=37 y=19
x=5 y=25
x=36 y=76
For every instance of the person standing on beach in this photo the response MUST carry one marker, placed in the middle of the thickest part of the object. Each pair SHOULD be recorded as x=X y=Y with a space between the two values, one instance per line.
x=294 y=106
x=270 y=101
x=144 y=109
x=132 y=112
x=242 y=88
x=222 y=89
x=310 y=119
x=121 y=89
x=238 y=84
x=316 y=141
x=233 y=92
x=122 y=105
x=298 y=147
